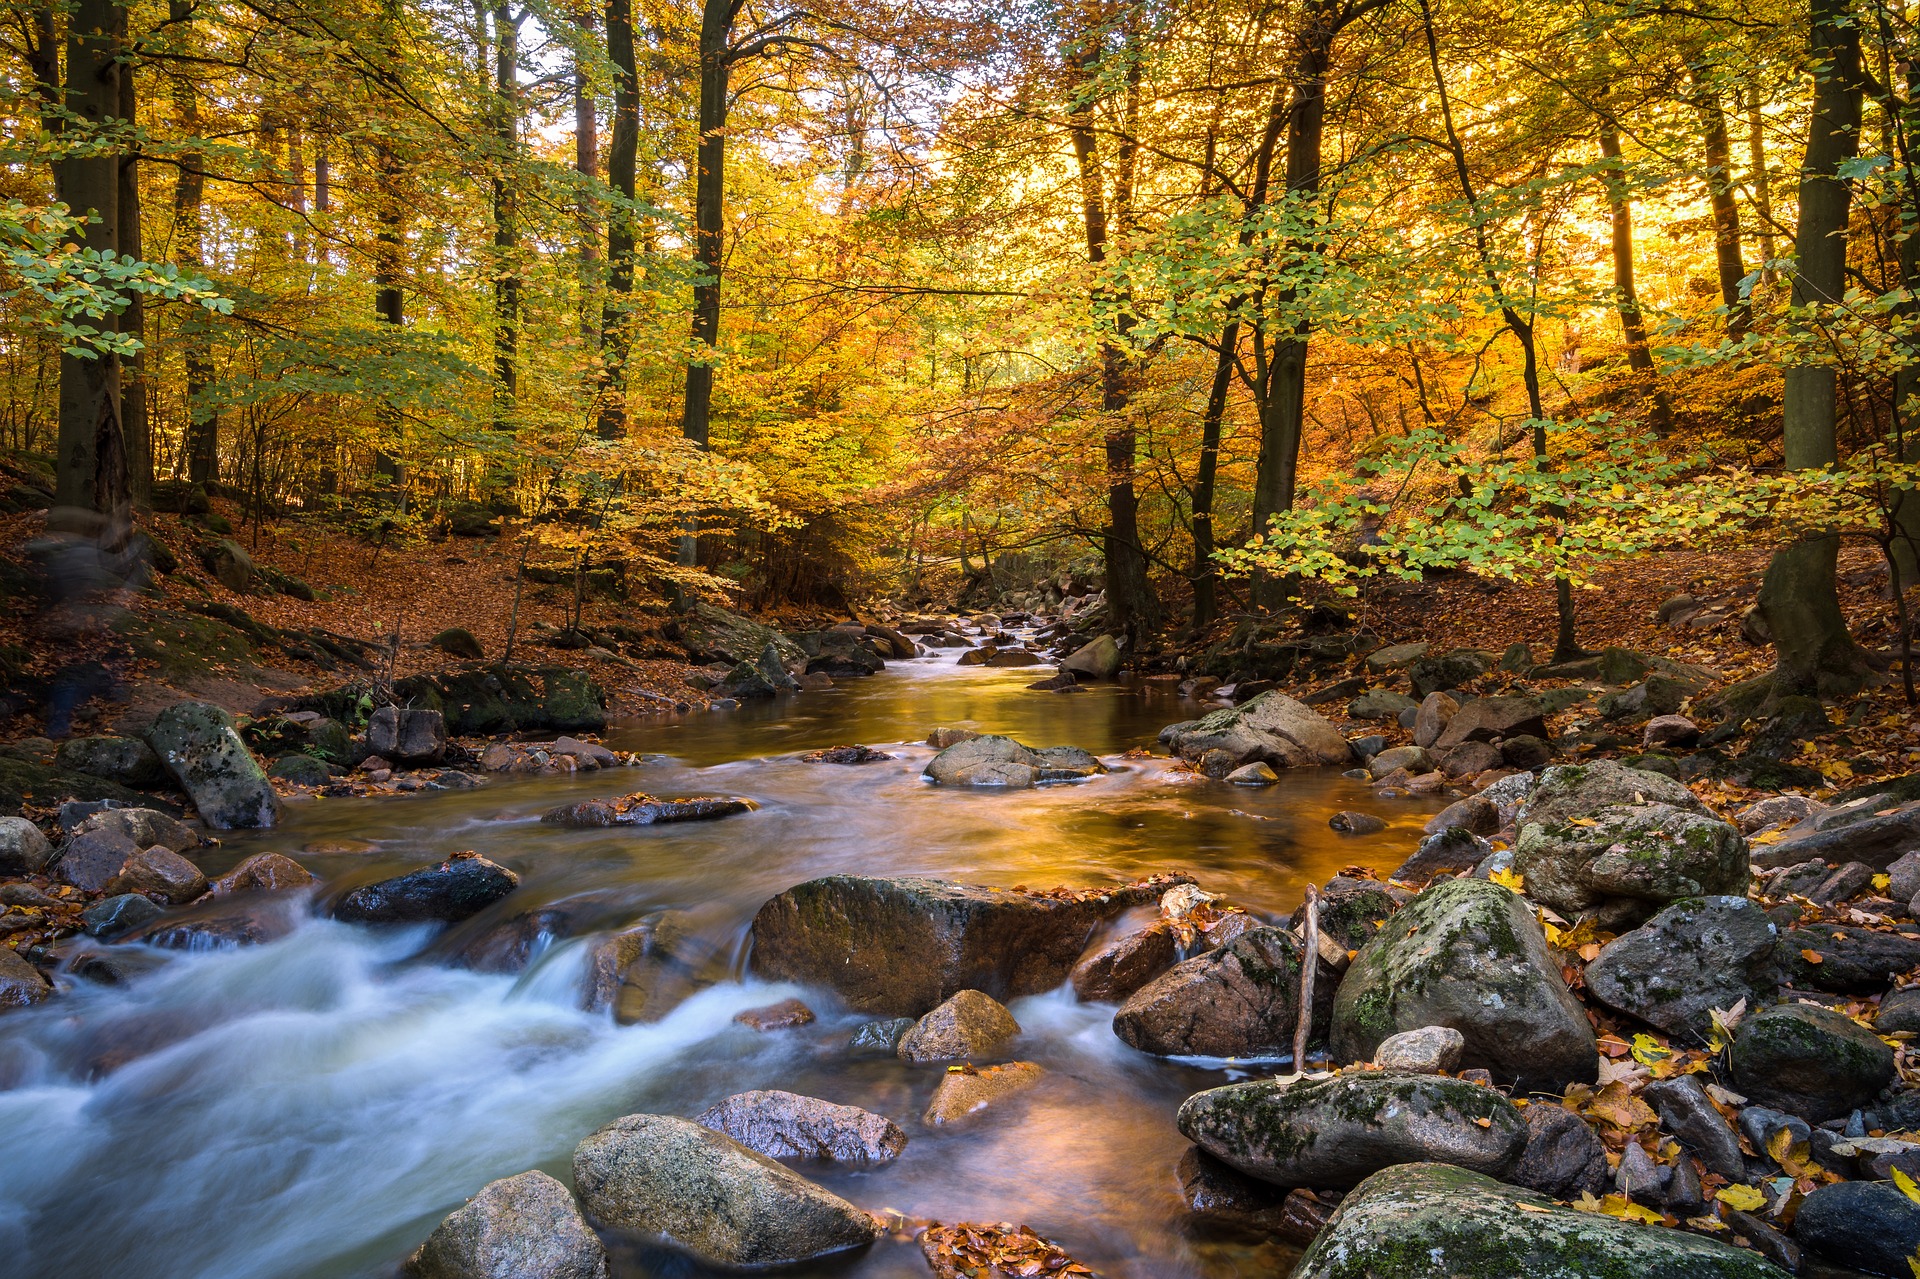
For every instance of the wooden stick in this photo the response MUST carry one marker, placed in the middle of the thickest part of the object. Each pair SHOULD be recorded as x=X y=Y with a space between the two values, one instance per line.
x=1309 y=967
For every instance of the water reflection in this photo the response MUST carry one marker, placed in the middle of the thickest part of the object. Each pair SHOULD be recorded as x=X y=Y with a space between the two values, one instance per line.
x=312 y=1107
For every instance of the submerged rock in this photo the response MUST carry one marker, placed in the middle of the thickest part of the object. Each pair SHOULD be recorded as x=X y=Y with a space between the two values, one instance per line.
x=1432 y=1221
x=967 y=1090
x=1471 y=955
x=705 y=1194
x=641 y=973
x=524 y=1227
x=198 y=744
x=222 y=924
x=1242 y=1000
x=1272 y=728
x=1334 y=1133
x=644 y=810
x=901 y=946
x=1001 y=761
x=785 y=1125
x=463 y=885
x=112 y=917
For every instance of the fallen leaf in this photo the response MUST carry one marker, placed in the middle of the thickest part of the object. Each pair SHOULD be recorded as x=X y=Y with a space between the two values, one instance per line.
x=1741 y=1198
x=1812 y=956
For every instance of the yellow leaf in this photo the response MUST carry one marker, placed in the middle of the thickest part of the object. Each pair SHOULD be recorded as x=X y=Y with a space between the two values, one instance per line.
x=1742 y=1198
x=1882 y=882
x=1906 y=1185
x=1509 y=880
x=1527 y=1207
x=1582 y=821
x=1812 y=956
x=1647 y=1050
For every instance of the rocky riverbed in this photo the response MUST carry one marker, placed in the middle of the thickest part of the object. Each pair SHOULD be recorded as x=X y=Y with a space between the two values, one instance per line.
x=1585 y=1022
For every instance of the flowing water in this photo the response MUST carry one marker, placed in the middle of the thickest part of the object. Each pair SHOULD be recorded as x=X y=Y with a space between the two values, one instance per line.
x=310 y=1108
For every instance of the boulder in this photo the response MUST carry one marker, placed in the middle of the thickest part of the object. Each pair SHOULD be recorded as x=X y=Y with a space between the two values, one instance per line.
x=1113 y=970
x=1430 y=1050
x=20 y=982
x=643 y=972
x=710 y=633
x=301 y=770
x=1697 y=955
x=845 y=755
x=1098 y=659
x=91 y=860
x=1432 y=717
x=941 y=738
x=1899 y=1010
x=1453 y=850
x=1688 y=1113
x=1435 y=1221
x=1669 y=732
x=458 y=642
x=1348 y=822
x=1272 y=728
x=1468 y=954
x=509 y=945
x=144 y=826
x=1440 y=671
x=1863 y=830
x=1854 y=960
x=407 y=736
x=785 y=1125
x=1867 y=1225
x=968 y=1090
x=1257 y=773
x=1351 y=910
x=1475 y=814
x=1380 y=703
x=126 y=760
x=840 y=653
x=1809 y=1061
x=524 y=1227
x=881 y=1036
x=1335 y=1133
x=198 y=744
x=1395 y=656
x=899 y=947
x=263 y=873
x=463 y=885
x=1564 y=1158
x=23 y=849
x=1568 y=791
x=112 y=917
x=221 y=925
x=786 y=1014
x=705 y=1194
x=159 y=872
x=968 y=1025
x=229 y=563
x=1412 y=758
x=1001 y=761
x=639 y=809
x=1491 y=719
x=1241 y=1000
x=1620 y=865
x=1218 y=1194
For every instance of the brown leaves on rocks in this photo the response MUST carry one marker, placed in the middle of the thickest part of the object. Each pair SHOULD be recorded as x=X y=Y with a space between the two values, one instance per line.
x=970 y=1250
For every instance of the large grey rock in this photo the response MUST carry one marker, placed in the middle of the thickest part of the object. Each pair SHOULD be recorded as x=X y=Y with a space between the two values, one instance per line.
x=1809 y=1061
x=1688 y=1113
x=524 y=1227
x=1412 y=758
x=705 y=1194
x=968 y=1025
x=1436 y=709
x=1335 y=1133
x=1629 y=862
x=23 y=849
x=126 y=760
x=712 y=634
x=898 y=947
x=1854 y=960
x=1380 y=703
x=1567 y=791
x=1868 y=1225
x=1001 y=761
x=1434 y=1221
x=463 y=885
x=1272 y=728
x=1471 y=955
x=1430 y=1050
x=786 y=1125
x=1241 y=1000
x=144 y=826
x=90 y=861
x=198 y=744
x=1564 y=1158
x=230 y=564
x=407 y=736
x=1490 y=719
x=1697 y=955
x=1099 y=658
x=1867 y=830
x=1453 y=850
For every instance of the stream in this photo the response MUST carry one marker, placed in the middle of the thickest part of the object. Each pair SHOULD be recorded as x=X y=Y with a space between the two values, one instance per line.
x=311 y=1108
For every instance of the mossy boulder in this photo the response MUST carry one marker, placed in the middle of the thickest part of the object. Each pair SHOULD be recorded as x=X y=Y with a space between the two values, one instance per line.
x=1433 y=1221
x=479 y=701
x=301 y=770
x=126 y=760
x=1468 y=954
x=1000 y=761
x=1568 y=791
x=1620 y=865
x=229 y=563
x=1335 y=1133
x=198 y=744
x=710 y=633
x=1810 y=1061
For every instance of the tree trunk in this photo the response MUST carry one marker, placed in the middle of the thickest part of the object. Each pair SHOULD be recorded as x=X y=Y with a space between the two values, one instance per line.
x=43 y=64
x=586 y=162
x=91 y=471
x=1633 y=325
x=621 y=149
x=389 y=302
x=1762 y=184
x=1726 y=214
x=506 y=221
x=134 y=420
x=1206 y=577
x=1799 y=596
x=202 y=444
x=709 y=203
